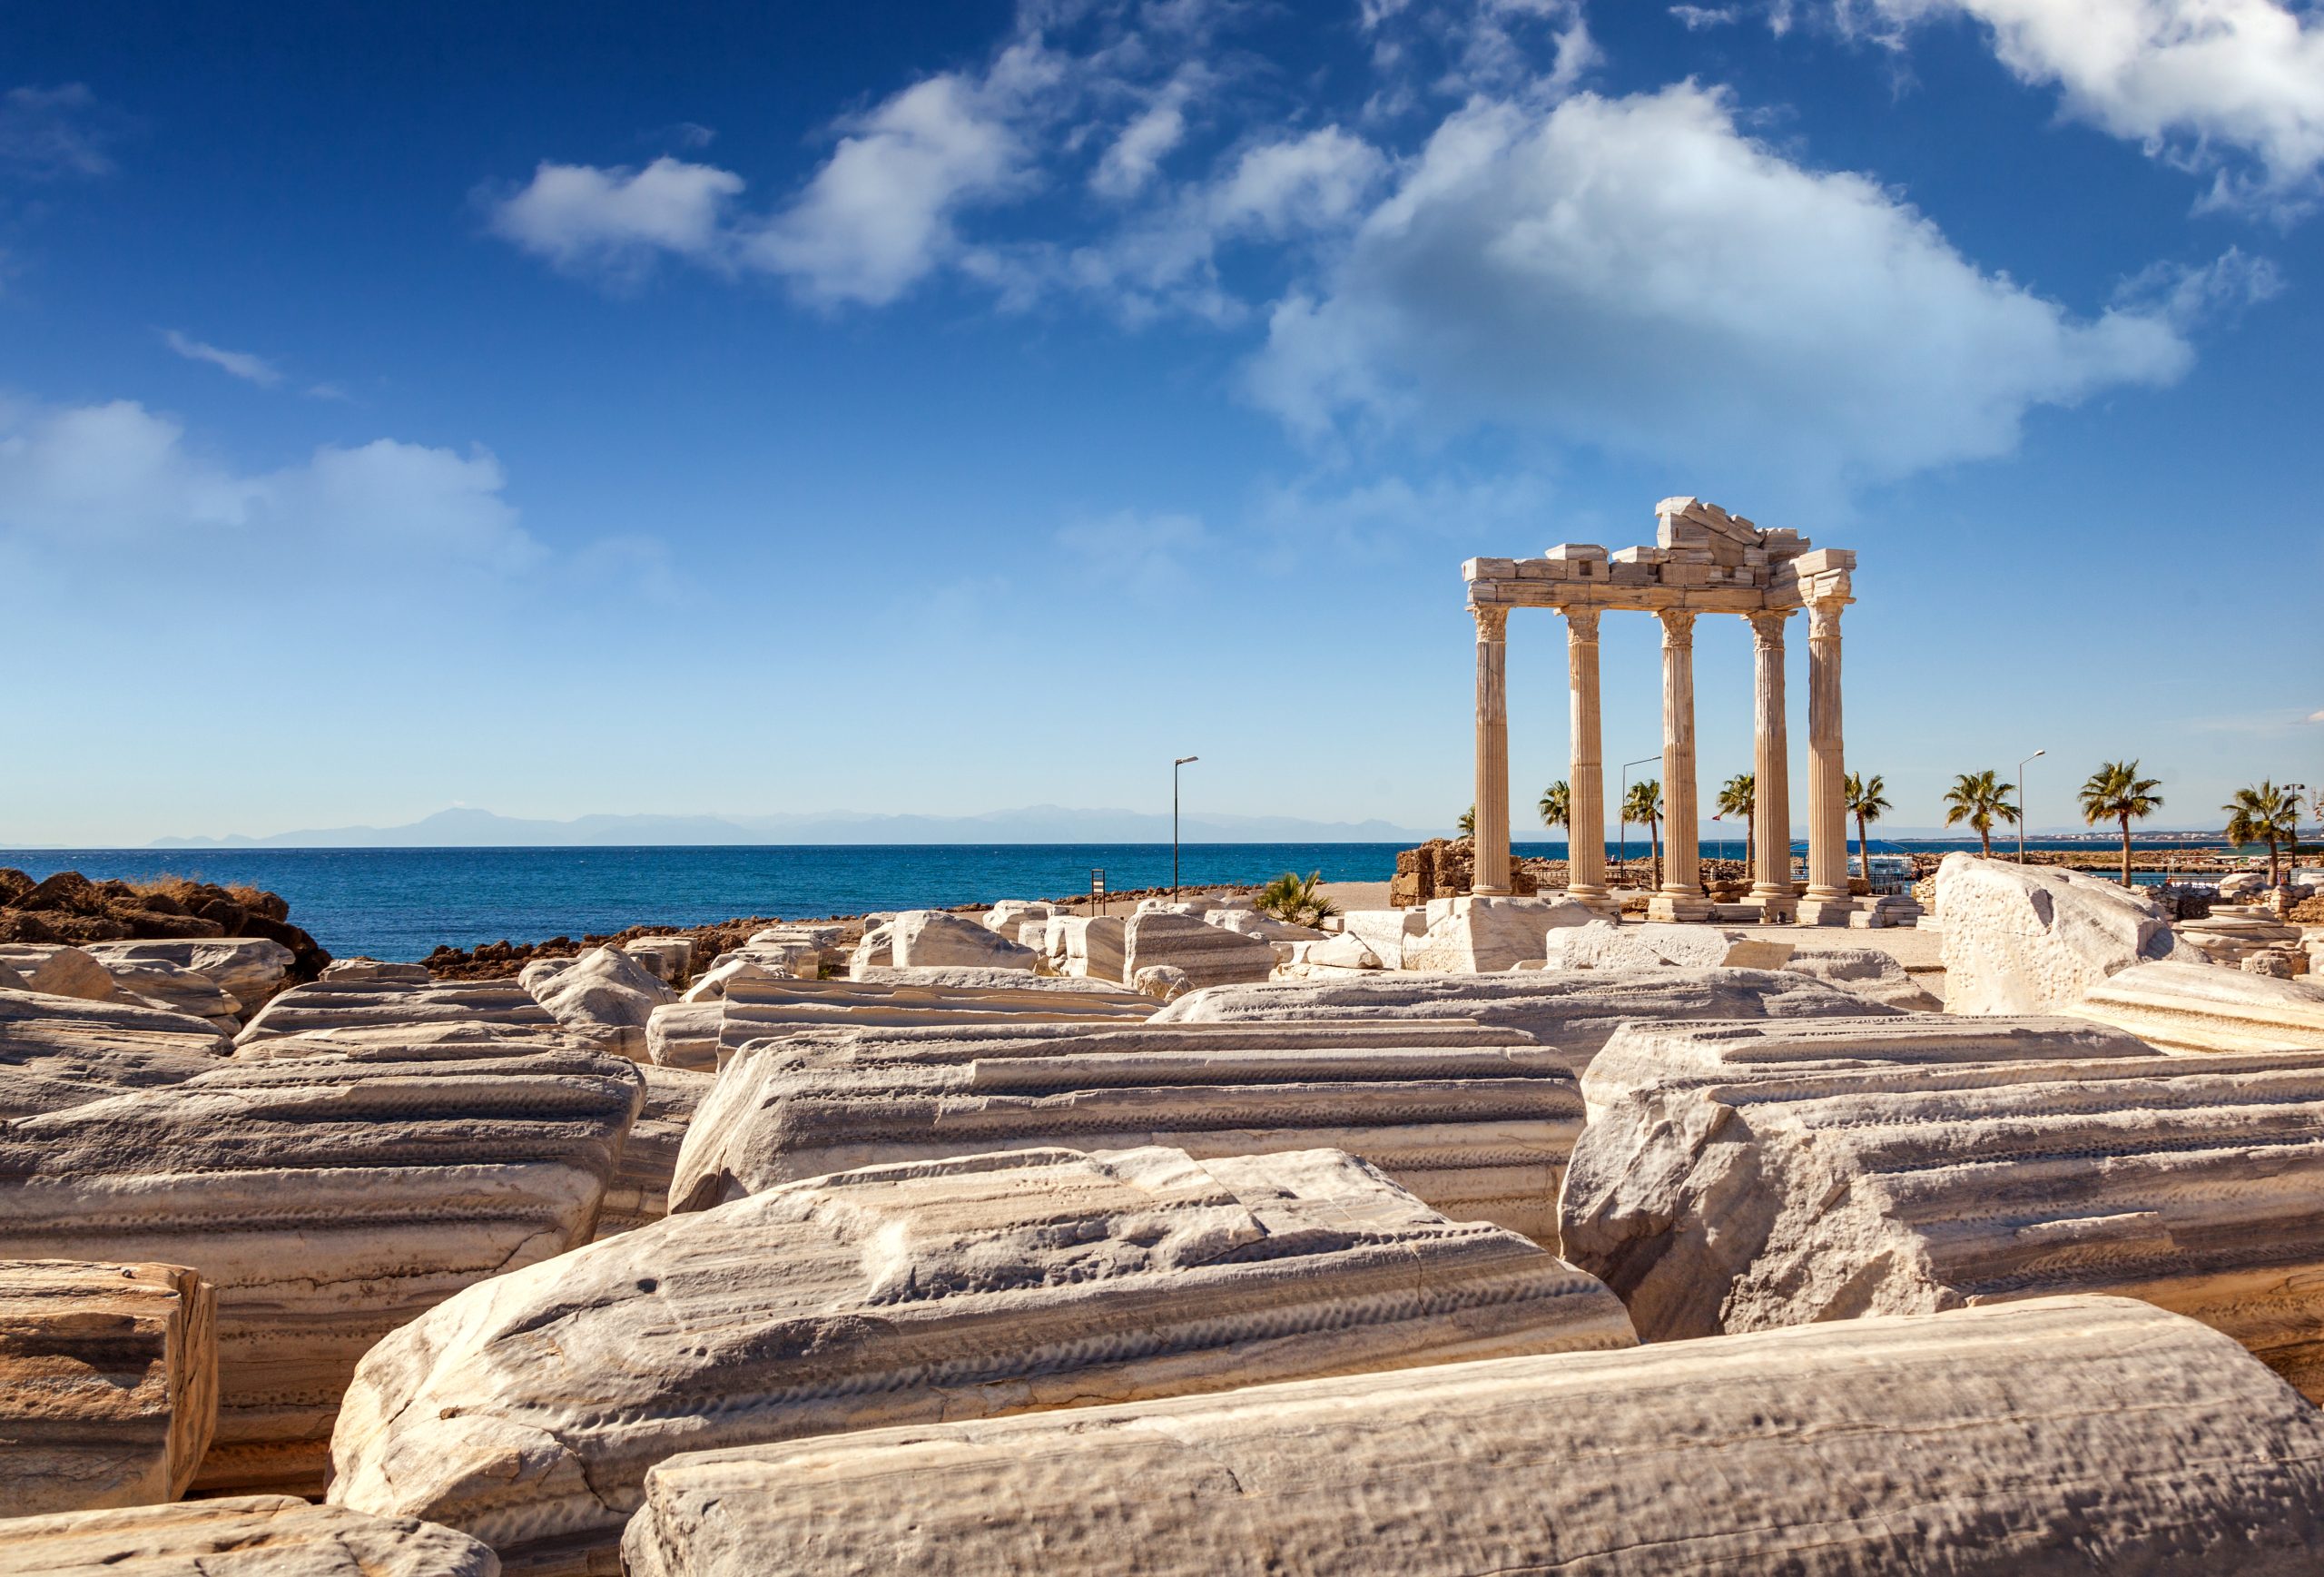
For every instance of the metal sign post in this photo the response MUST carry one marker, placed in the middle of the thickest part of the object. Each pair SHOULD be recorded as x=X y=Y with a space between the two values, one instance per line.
x=1097 y=888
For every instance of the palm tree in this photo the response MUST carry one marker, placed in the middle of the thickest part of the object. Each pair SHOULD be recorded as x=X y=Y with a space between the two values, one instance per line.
x=1296 y=899
x=1867 y=801
x=1980 y=799
x=1556 y=805
x=1468 y=822
x=2117 y=790
x=2264 y=814
x=1644 y=807
x=1737 y=797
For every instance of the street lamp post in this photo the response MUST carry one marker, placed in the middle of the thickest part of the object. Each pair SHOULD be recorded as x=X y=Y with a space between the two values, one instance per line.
x=1622 y=809
x=1174 y=821
x=2021 y=805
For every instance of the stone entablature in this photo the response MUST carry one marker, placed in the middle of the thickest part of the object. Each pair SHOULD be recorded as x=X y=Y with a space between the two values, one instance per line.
x=1704 y=560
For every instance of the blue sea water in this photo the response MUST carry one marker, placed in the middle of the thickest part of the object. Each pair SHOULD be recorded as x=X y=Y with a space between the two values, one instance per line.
x=399 y=903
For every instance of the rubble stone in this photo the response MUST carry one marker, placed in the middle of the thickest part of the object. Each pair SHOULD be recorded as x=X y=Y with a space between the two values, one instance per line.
x=2032 y=939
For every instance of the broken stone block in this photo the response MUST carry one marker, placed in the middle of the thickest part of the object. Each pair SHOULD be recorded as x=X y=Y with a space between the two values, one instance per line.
x=52 y=1047
x=921 y=938
x=2030 y=938
x=1005 y=918
x=2200 y=1008
x=250 y=968
x=66 y=971
x=244 y=1536
x=2045 y=1439
x=1774 y=1195
x=1207 y=955
x=1488 y=935
x=605 y=996
x=1602 y=944
x=669 y=959
x=1087 y=947
x=1264 y=927
x=1163 y=982
x=394 y=1003
x=1570 y=1014
x=372 y=969
x=1868 y=972
x=1386 y=931
x=108 y=1383
x=330 y=1188
x=527 y=1410
x=772 y=1009
x=685 y=1034
x=639 y=1192
x=160 y=983
x=1479 y=1133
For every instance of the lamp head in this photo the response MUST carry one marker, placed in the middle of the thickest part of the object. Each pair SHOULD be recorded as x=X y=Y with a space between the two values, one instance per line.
x=1183 y=759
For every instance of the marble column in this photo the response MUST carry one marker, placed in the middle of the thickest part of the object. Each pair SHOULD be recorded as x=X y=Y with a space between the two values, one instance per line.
x=1770 y=767
x=1586 y=780
x=1826 y=901
x=1680 y=895
x=1491 y=873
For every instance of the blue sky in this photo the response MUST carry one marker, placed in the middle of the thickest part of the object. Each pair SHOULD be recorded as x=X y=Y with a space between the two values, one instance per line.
x=944 y=408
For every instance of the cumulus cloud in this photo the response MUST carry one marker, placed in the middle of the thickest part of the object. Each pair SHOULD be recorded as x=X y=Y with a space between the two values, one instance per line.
x=117 y=475
x=1641 y=275
x=50 y=134
x=613 y=222
x=240 y=364
x=2193 y=80
x=878 y=216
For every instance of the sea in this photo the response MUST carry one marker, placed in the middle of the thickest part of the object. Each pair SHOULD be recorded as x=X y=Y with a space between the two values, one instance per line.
x=401 y=903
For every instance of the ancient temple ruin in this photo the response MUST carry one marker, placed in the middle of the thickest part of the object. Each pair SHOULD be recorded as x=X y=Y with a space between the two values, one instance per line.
x=1704 y=560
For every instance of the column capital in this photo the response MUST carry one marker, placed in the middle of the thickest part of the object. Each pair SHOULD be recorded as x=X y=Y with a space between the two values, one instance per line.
x=1493 y=622
x=1678 y=626
x=1767 y=627
x=1824 y=619
x=1580 y=623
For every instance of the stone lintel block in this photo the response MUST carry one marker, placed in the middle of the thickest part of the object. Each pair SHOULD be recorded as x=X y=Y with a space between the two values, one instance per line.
x=1486 y=593
x=1628 y=573
x=1819 y=559
x=1685 y=573
x=108 y=1383
x=1539 y=569
x=1679 y=505
x=2069 y=1428
x=1488 y=568
x=1639 y=555
x=1577 y=553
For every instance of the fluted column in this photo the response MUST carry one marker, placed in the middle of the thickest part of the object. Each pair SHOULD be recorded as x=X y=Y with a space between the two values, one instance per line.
x=1827 y=902
x=1770 y=768
x=1586 y=781
x=1680 y=896
x=1491 y=872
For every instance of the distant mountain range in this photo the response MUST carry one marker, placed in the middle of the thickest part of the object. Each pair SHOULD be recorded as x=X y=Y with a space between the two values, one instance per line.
x=475 y=829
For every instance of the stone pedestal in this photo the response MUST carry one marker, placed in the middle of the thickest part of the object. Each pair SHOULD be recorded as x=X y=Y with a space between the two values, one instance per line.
x=1586 y=785
x=1490 y=877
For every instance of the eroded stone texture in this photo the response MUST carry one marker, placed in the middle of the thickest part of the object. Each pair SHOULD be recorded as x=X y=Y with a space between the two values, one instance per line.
x=605 y=996
x=57 y=1051
x=2203 y=1008
x=640 y=1191
x=250 y=968
x=354 y=1005
x=670 y=959
x=108 y=1383
x=772 y=1009
x=1774 y=1196
x=1572 y=1014
x=57 y=970
x=1868 y=972
x=1086 y=947
x=1602 y=944
x=330 y=1192
x=244 y=1536
x=685 y=1034
x=527 y=1410
x=1481 y=1134
x=2053 y=1437
x=1487 y=935
x=1208 y=955
x=2031 y=939
x=372 y=969
x=924 y=938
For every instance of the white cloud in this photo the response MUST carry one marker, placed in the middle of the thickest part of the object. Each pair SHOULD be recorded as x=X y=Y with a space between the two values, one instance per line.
x=241 y=364
x=613 y=222
x=2190 y=79
x=1537 y=49
x=106 y=477
x=1695 y=18
x=878 y=216
x=1637 y=274
x=1131 y=162
x=47 y=134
